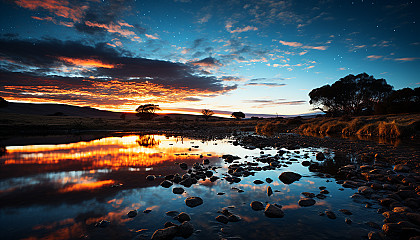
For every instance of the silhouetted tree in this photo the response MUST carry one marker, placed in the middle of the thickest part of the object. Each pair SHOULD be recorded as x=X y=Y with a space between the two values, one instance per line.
x=238 y=115
x=354 y=95
x=207 y=113
x=147 y=111
x=3 y=102
x=405 y=100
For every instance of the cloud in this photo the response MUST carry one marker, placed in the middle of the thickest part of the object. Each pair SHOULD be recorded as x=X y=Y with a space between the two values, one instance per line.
x=229 y=25
x=266 y=84
x=90 y=17
x=342 y=69
x=407 y=59
x=274 y=102
x=152 y=36
x=191 y=99
x=207 y=62
x=97 y=75
x=232 y=79
x=374 y=57
x=204 y=19
x=292 y=44
x=300 y=45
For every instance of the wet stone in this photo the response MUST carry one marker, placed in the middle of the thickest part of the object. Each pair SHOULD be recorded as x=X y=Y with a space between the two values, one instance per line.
x=258 y=182
x=166 y=184
x=345 y=211
x=166 y=233
x=308 y=194
x=182 y=217
x=183 y=166
x=147 y=211
x=178 y=190
x=289 y=177
x=222 y=219
x=269 y=180
x=273 y=211
x=269 y=191
x=103 y=224
x=306 y=202
x=132 y=213
x=348 y=221
x=150 y=177
x=257 y=206
x=172 y=213
x=330 y=214
x=193 y=201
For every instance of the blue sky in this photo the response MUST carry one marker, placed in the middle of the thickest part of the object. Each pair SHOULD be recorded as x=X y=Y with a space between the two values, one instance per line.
x=259 y=57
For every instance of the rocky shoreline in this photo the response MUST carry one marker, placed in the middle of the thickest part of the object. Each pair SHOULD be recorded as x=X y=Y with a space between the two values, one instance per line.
x=382 y=175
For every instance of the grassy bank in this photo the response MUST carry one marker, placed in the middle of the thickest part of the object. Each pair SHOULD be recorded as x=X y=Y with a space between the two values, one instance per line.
x=389 y=126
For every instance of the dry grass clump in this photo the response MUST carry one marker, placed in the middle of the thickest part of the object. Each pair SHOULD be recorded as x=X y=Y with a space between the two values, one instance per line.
x=353 y=126
x=332 y=127
x=269 y=128
x=370 y=129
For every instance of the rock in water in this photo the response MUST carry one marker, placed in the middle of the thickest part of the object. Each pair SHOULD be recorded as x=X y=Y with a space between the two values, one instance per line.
x=193 y=201
x=178 y=190
x=185 y=230
x=132 y=213
x=222 y=219
x=269 y=191
x=166 y=184
x=273 y=211
x=182 y=217
x=165 y=234
x=150 y=177
x=306 y=202
x=257 y=206
x=320 y=156
x=330 y=214
x=289 y=177
x=258 y=181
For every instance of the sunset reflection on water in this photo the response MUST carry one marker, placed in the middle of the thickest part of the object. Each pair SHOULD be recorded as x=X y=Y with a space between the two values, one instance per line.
x=110 y=152
x=63 y=191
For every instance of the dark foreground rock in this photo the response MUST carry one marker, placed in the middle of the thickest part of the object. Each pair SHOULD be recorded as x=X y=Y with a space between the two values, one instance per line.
x=306 y=202
x=289 y=177
x=273 y=211
x=193 y=201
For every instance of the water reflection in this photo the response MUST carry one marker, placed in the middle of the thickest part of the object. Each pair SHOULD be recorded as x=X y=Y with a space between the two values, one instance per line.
x=62 y=191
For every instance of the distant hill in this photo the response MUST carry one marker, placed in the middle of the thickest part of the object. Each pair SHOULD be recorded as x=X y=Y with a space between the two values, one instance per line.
x=51 y=109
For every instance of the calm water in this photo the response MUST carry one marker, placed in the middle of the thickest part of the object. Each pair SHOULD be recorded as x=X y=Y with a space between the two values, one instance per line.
x=60 y=191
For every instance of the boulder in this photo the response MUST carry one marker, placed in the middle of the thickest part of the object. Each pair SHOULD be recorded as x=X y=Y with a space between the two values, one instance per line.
x=306 y=202
x=257 y=206
x=289 y=177
x=165 y=233
x=273 y=211
x=193 y=201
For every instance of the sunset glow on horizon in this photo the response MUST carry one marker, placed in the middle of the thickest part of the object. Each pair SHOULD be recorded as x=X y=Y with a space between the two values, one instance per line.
x=259 y=57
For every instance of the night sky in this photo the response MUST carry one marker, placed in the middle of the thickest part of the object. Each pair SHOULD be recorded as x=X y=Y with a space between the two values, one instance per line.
x=260 y=57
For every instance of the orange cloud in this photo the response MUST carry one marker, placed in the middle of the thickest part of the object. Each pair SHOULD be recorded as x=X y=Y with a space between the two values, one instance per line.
x=59 y=8
x=151 y=36
x=86 y=62
x=112 y=28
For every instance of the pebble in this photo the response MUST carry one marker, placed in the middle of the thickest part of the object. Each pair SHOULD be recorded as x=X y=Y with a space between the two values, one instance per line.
x=178 y=190
x=330 y=214
x=269 y=191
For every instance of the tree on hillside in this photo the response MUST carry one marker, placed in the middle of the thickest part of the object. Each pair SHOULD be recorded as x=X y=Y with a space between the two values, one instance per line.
x=147 y=111
x=207 y=113
x=3 y=102
x=354 y=95
x=238 y=115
